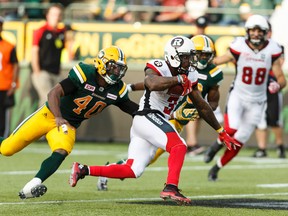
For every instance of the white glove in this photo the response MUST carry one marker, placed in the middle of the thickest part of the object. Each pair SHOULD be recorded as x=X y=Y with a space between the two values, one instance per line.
x=273 y=87
x=129 y=87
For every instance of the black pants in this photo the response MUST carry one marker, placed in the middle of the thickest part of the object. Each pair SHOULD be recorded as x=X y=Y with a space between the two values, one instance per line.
x=3 y=109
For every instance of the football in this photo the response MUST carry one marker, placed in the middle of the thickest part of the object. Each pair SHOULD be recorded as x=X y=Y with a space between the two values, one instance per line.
x=175 y=90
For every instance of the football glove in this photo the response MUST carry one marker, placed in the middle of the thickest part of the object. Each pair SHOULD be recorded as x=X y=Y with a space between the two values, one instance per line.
x=186 y=114
x=186 y=83
x=273 y=87
x=129 y=87
x=229 y=141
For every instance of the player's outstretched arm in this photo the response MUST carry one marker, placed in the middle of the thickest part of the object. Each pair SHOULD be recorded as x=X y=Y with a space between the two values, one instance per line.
x=135 y=86
x=227 y=57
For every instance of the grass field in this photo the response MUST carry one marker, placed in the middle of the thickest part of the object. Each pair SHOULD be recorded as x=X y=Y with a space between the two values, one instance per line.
x=247 y=186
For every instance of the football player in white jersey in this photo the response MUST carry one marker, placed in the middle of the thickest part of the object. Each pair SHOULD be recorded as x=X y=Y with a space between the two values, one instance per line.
x=272 y=118
x=254 y=55
x=166 y=81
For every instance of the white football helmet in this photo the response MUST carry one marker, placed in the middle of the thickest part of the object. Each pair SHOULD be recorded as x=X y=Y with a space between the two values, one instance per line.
x=175 y=49
x=257 y=21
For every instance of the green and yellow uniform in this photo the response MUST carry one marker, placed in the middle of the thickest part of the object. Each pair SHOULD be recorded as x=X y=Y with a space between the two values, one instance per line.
x=86 y=100
x=208 y=78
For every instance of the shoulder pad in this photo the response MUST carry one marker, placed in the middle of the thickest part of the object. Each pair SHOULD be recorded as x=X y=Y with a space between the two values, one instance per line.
x=77 y=72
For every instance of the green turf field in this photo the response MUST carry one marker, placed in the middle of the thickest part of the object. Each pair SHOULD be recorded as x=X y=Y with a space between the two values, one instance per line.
x=247 y=186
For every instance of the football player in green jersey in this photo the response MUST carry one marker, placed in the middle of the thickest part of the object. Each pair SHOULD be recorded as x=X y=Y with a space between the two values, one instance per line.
x=86 y=91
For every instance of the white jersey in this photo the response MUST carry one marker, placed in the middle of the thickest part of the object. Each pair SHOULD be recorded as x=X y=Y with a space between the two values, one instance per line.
x=161 y=100
x=252 y=68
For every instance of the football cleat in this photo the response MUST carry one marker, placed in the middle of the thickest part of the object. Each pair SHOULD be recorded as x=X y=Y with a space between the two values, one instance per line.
x=260 y=153
x=172 y=192
x=281 y=151
x=77 y=172
x=36 y=191
x=212 y=151
x=195 y=150
x=102 y=184
x=213 y=173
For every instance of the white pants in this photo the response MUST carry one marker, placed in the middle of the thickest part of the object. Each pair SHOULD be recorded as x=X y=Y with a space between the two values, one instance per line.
x=148 y=133
x=243 y=116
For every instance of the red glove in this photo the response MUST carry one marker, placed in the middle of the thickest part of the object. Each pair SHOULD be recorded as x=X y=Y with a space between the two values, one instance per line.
x=186 y=83
x=229 y=141
x=273 y=87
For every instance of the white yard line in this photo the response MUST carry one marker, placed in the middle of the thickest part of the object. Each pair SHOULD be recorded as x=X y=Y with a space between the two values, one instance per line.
x=273 y=185
x=143 y=199
x=157 y=169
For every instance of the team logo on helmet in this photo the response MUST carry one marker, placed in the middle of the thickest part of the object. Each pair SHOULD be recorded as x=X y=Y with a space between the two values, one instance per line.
x=177 y=42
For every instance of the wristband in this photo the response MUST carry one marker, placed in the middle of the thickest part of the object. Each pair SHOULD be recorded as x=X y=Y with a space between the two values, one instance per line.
x=220 y=130
x=180 y=79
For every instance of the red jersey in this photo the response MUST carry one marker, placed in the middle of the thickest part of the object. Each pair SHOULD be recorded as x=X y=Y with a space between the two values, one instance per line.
x=50 y=42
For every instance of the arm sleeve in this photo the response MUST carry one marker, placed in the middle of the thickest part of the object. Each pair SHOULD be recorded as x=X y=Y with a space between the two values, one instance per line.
x=68 y=86
x=128 y=106
x=36 y=37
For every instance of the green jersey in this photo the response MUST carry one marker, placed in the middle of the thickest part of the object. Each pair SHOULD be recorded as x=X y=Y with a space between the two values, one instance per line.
x=207 y=78
x=89 y=99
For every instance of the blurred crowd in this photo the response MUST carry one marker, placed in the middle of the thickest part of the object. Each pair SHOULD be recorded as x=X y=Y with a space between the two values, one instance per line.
x=219 y=12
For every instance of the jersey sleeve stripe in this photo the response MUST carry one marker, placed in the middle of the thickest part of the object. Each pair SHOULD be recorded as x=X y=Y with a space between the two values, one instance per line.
x=215 y=71
x=123 y=90
x=276 y=56
x=80 y=74
x=148 y=65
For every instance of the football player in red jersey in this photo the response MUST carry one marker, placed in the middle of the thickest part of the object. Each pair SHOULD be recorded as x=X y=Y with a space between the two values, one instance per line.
x=254 y=55
x=86 y=92
x=151 y=128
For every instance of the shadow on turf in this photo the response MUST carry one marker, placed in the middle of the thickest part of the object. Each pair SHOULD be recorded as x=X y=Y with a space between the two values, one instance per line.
x=227 y=203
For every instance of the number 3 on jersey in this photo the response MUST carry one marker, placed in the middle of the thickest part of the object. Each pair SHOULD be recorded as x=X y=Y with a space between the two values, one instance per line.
x=247 y=76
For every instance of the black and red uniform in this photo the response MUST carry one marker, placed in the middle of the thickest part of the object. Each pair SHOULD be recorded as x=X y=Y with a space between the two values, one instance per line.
x=51 y=43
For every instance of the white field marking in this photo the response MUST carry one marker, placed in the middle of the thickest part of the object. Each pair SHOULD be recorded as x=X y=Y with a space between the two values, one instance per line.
x=243 y=159
x=123 y=154
x=144 y=199
x=159 y=169
x=272 y=185
x=74 y=152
